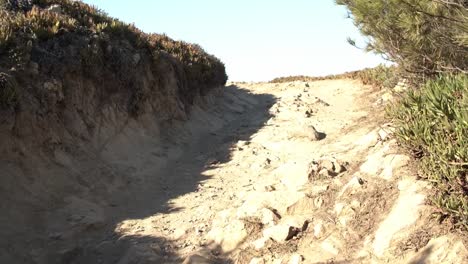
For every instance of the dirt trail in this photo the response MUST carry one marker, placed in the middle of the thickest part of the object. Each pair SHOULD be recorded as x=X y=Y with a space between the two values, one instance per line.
x=275 y=173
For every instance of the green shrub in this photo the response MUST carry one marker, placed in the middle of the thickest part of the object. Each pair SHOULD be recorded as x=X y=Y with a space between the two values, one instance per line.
x=380 y=76
x=45 y=25
x=432 y=122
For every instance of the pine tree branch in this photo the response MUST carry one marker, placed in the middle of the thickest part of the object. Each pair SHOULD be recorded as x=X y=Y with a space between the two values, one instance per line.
x=454 y=69
x=419 y=10
x=447 y=2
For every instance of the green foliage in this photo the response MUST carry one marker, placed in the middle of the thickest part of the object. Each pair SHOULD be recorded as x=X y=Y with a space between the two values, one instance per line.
x=8 y=92
x=45 y=25
x=199 y=66
x=34 y=24
x=6 y=31
x=380 y=76
x=433 y=123
x=423 y=37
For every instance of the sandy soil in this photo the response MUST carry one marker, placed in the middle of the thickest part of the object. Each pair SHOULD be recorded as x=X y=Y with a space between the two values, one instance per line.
x=263 y=173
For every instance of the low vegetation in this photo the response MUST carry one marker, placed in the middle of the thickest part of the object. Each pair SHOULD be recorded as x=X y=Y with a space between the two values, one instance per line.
x=433 y=124
x=42 y=31
x=428 y=41
x=380 y=76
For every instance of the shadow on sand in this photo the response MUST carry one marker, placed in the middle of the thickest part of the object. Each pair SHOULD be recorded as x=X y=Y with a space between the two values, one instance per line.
x=181 y=176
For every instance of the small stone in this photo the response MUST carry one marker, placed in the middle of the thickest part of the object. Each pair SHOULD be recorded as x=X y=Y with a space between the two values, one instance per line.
x=295 y=259
x=260 y=243
x=355 y=204
x=178 y=233
x=327 y=168
x=306 y=131
x=268 y=217
x=196 y=259
x=304 y=206
x=368 y=140
x=312 y=133
x=320 y=101
x=34 y=66
x=327 y=164
x=385 y=133
x=354 y=183
x=277 y=261
x=339 y=167
x=257 y=261
x=281 y=233
x=318 y=230
x=136 y=58
x=324 y=173
x=242 y=143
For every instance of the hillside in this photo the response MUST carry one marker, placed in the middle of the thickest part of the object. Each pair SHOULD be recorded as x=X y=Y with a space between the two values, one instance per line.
x=81 y=93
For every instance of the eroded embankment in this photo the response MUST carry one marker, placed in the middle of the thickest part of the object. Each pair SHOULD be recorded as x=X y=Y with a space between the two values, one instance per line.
x=86 y=102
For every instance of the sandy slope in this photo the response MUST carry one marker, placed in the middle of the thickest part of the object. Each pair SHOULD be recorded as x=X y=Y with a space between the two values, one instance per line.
x=269 y=173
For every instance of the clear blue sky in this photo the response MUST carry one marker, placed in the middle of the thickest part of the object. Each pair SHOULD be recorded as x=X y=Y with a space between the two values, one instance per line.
x=258 y=40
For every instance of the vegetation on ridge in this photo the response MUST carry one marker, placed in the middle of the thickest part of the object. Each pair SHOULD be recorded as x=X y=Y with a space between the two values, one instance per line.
x=381 y=76
x=43 y=31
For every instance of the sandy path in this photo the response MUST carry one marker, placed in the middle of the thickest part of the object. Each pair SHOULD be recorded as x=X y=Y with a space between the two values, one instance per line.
x=242 y=172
